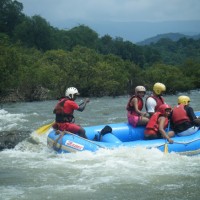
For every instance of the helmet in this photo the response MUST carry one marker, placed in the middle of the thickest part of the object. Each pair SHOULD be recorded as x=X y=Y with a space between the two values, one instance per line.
x=158 y=88
x=140 y=89
x=163 y=108
x=183 y=100
x=71 y=92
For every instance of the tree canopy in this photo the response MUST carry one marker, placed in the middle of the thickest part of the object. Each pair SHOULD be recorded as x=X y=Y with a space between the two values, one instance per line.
x=35 y=54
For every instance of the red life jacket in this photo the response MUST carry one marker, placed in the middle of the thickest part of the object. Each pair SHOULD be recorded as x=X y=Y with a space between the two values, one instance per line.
x=59 y=108
x=131 y=108
x=159 y=101
x=153 y=122
x=61 y=115
x=179 y=114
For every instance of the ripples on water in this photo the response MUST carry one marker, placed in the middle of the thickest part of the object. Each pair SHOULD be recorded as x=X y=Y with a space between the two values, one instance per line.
x=31 y=171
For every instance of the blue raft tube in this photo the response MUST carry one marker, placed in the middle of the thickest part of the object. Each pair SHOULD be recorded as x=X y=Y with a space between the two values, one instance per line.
x=122 y=135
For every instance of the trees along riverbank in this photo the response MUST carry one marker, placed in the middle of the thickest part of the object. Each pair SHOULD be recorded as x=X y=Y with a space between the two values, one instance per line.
x=28 y=74
x=38 y=61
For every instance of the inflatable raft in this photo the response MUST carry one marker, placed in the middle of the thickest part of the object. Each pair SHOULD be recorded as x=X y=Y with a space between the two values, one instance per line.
x=121 y=135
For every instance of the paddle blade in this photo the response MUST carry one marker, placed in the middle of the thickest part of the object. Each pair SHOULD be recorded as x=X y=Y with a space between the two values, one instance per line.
x=44 y=129
x=166 y=149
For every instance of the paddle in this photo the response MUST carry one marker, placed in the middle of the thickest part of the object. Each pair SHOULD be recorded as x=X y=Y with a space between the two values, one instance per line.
x=45 y=128
x=166 y=145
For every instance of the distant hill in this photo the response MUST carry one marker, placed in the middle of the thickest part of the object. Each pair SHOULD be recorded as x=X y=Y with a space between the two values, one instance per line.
x=172 y=36
x=134 y=31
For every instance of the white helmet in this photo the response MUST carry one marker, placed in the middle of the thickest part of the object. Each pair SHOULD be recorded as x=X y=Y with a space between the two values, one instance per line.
x=140 y=89
x=71 y=92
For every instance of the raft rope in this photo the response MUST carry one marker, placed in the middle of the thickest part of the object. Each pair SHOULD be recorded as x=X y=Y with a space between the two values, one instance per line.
x=84 y=139
x=187 y=142
x=62 y=133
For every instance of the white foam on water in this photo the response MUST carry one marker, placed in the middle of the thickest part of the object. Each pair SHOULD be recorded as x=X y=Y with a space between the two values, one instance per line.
x=10 y=121
x=33 y=171
x=10 y=192
x=87 y=171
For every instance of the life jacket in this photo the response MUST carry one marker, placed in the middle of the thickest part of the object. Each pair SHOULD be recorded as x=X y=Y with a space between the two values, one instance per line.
x=131 y=108
x=179 y=115
x=153 y=122
x=61 y=115
x=159 y=101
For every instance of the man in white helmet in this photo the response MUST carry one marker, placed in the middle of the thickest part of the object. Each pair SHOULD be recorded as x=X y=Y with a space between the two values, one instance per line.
x=64 y=112
x=155 y=100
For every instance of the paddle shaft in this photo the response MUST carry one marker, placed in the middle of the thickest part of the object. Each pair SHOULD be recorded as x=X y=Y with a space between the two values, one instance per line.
x=166 y=145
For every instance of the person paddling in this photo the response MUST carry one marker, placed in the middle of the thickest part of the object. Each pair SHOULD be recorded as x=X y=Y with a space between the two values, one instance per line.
x=64 y=120
x=158 y=123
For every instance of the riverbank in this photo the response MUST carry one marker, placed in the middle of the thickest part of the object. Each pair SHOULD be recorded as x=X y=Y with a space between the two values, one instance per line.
x=12 y=96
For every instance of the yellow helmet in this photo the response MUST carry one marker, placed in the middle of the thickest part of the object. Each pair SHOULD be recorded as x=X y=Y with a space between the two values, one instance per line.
x=158 y=88
x=183 y=100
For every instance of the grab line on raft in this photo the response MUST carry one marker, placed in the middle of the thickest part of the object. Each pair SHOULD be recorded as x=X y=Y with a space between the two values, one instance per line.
x=67 y=132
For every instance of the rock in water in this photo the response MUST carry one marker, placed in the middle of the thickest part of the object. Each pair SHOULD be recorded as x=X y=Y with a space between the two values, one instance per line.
x=9 y=139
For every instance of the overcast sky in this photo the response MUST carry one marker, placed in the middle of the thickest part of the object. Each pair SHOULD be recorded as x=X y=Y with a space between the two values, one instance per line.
x=114 y=10
x=58 y=11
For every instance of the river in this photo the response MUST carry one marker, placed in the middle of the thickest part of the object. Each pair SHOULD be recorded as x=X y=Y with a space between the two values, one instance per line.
x=31 y=171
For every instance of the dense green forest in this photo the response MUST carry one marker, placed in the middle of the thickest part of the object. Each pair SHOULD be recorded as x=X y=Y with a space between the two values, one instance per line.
x=36 y=57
